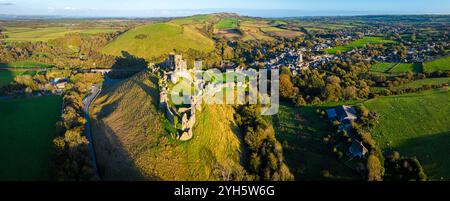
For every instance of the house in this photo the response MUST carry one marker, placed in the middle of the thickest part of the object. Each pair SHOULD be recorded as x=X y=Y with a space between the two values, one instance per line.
x=344 y=114
x=357 y=149
x=61 y=85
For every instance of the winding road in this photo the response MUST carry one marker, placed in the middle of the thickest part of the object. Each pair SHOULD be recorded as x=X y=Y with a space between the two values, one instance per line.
x=95 y=91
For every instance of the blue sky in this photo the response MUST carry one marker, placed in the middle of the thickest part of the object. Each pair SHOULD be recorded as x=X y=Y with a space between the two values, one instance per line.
x=275 y=8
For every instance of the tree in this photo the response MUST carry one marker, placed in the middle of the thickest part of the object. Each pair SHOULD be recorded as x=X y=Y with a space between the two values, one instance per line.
x=374 y=168
x=350 y=92
x=287 y=90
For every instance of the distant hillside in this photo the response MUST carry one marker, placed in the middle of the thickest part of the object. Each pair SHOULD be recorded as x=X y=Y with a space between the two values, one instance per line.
x=153 y=40
x=133 y=141
x=195 y=32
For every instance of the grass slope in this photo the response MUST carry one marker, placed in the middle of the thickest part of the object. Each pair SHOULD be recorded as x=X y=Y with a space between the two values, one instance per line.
x=442 y=64
x=301 y=131
x=7 y=76
x=159 y=39
x=427 y=81
x=406 y=67
x=133 y=140
x=395 y=68
x=227 y=23
x=416 y=125
x=382 y=67
x=25 y=64
x=28 y=127
x=48 y=33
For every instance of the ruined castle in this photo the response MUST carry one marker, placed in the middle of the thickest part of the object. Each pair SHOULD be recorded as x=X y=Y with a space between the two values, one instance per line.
x=184 y=118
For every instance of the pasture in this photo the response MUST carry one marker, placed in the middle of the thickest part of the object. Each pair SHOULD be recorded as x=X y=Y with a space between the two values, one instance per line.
x=416 y=125
x=48 y=33
x=359 y=44
x=382 y=67
x=427 y=81
x=395 y=68
x=155 y=40
x=25 y=64
x=7 y=76
x=442 y=64
x=406 y=67
x=28 y=128
x=301 y=131
x=227 y=23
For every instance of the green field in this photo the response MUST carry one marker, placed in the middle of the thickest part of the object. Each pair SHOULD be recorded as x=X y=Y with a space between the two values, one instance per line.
x=193 y=19
x=301 y=131
x=442 y=64
x=359 y=44
x=25 y=64
x=406 y=67
x=7 y=76
x=28 y=128
x=395 y=68
x=382 y=67
x=427 y=81
x=48 y=33
x=227 y=23
x=416 y=125
x=159 y=39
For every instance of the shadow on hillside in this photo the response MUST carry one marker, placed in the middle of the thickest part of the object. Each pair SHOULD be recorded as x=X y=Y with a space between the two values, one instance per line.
x=132 y=64
x=433 y=153
x=245 y=154
x=129 y=61
x=113 y=156
x=151 y=91
x=301 y=131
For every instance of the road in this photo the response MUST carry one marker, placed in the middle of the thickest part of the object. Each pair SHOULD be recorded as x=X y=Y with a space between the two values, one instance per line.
x=96 y=89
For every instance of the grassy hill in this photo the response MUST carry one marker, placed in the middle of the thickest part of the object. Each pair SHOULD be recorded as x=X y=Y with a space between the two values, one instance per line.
x=416 y=125
x=28 y=127
x=48 y=33
x=134 y=142
x=442 y=64
x=154 y=40
x=301 y=131
x=25 y=64
x=7 y=76
x=227 y=23
x=396 y=68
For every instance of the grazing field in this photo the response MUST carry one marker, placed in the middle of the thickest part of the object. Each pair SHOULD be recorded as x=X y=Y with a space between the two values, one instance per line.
x=196 y=19
x=442 y=64
x=382 y=67
x=254 y=33
x=281 y=32
x=427 y=81
x=359 y=43
x=406 y=67
x=395 y=68
x=256 y=29
x=154 y=40
x=28 y=128
x=227 y=23
x=7 y=76
x=46 y=34
x=25 y=64
x=301 y=131
x=416 y=125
